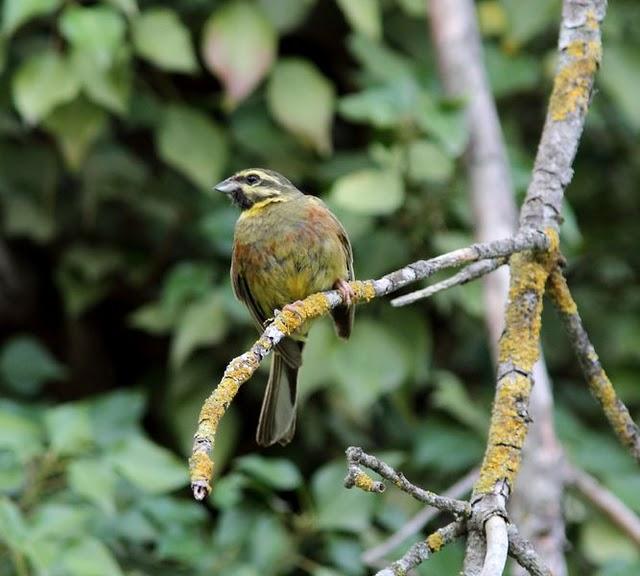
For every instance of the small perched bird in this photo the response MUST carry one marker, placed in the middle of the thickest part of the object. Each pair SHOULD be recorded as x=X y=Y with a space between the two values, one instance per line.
x=287 y=245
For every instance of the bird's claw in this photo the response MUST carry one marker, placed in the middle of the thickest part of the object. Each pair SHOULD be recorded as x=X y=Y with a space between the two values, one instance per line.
x=345 y=290
x=295 y=308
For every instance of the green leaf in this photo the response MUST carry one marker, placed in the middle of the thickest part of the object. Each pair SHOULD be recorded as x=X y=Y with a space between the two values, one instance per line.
x=369 y=191
x=17 y=12
x=191 y=143
x=150 y=467
x=69 y=428
x=84 y=275
x=90 y=557
x=510 y=73
x=160 y=37
x=94 y=479
x=528 y=19
x=41 y=83
x=26 y=365
x=203 y=323
x=14 y=531
x=415 y=8
x=427 y=162
x=24 y=217
x=277 y=473
x=451 y=396
x=302 y=100
x=128 y=7
x=108 y=86
x=446 y=448
x=601 y=542
x=115 y=416
x=20 y=431
x=12 y=472
x=382 y=106
x=273 y=550
x=445 y=123
x=286 y=15
x=96 y=31
x=371 y=363
x=76 y=126
x=239 y=47
x=620 y=80
x=336 y=507
x=364 y=16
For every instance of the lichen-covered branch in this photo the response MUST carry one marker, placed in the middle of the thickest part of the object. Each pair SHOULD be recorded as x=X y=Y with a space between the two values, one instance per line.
x=599 y=384
x=356 y=457
x=372 y=556
x=420 y=551
x=471 y=272
x=240 y=369
x=579 y=57
x=525 y=554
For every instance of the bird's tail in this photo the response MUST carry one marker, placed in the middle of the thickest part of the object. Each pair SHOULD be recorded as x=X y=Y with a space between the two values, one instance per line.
x=277 y=421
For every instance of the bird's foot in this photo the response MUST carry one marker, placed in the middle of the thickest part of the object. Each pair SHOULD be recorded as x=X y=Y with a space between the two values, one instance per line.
x=295 y=308
x=345 y=290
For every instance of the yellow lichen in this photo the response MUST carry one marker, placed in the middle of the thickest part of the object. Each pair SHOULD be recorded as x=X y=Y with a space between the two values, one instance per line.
x=435 y=541
x=519 y=343
x=572 y=84
x=201 y=469
x=506 y=434
x=592 y=22
x=559 y=291
x=364 y=482
x=363 y=291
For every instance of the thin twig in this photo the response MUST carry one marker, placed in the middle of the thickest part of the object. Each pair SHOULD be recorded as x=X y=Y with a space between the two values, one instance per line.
x=420 y=551
x=286 y=322
x=372 y=556
x=525 y=554
x=607 y=502
x=497 y=546
x=471 y=272
x=616 y=412
x=356 y=457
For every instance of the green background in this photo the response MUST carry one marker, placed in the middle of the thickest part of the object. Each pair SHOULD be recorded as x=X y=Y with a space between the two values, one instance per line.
x=116 y=119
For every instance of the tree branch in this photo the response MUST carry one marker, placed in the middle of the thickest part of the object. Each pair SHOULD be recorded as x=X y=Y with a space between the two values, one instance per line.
x=471 y=272
x=241 y=368
x=420 y=551
x=525 y=554
x=372 y=556
x=495 y=529
x=607 y=502
x=355 y=477
x=616 y=412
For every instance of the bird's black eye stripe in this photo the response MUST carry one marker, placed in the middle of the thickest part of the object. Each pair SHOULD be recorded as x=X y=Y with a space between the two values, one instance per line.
x=252 y=179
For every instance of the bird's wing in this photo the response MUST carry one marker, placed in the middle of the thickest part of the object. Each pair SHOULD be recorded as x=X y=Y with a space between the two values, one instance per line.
x=290 y=350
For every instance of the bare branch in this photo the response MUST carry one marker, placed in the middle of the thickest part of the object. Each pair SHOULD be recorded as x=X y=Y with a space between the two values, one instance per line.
x=471 y=272
x=525 y=554
x=420 y=551
x=372 y=556
x=497 y=546
x=597 y=379
x=356 y=457
x=241 y=368
x=607 y=502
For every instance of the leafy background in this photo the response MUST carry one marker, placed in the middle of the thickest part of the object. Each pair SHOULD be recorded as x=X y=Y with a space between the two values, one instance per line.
x=116 y=118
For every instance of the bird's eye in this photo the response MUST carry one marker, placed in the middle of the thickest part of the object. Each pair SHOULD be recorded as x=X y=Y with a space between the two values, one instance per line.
x=253 y=179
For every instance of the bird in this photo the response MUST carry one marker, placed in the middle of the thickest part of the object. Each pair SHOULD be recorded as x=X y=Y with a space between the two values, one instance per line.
x=287 y=245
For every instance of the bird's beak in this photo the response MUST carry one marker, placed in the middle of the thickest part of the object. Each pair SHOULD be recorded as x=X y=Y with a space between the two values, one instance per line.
x=226 y=186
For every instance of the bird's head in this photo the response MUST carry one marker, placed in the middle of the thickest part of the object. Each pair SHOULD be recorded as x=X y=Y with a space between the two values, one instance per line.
x=254 y=185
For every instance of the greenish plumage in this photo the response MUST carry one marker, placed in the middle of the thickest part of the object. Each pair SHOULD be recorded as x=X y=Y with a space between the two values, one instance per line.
x=287 y=245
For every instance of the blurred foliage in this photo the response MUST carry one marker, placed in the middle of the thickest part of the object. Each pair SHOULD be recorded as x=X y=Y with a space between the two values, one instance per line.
x=116 y=118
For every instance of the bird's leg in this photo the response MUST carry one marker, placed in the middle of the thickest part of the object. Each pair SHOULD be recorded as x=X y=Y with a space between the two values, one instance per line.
x=345 y=290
